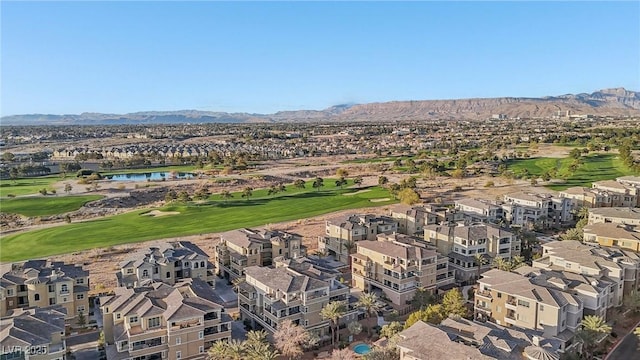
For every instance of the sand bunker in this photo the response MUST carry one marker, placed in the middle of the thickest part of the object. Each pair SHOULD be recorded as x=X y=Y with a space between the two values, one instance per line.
x=357 y=192
x=156 y=213
x=380 y=200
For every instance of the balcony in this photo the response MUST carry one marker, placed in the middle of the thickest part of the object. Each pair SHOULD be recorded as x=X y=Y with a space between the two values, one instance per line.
x=511 y=303
x=139 y=345
x=484 y=307
x=484 y=294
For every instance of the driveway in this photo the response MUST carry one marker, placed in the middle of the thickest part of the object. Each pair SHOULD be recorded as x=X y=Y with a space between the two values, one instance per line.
x=238 y=331
x=86 y=351
x=81 y=339
x=226 y=293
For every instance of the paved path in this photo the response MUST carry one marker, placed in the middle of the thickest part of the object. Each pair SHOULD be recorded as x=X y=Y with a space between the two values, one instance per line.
x=627 y=349
x=86 y=351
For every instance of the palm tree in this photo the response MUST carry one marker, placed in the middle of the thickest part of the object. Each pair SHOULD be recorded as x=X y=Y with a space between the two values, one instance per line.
x=349 y=245
x=596 y=324
x=369 y=303
x=480 y=261
x=247 y=192
x=637 y=332
x=218 y=351
x=227 y=350
x=357 y=180
x=318 y=183
x=516 y=262
x=501 y=263
x=333 y=311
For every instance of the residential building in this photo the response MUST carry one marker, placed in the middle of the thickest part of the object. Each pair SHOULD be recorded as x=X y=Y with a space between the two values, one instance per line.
x=543 y=210
x=168 y=262
x=239 y=249
x=461 y=243
x=480 y=210
x=43 y=283
x=395 y=268
x=412 y=219
x=616 y=215
x=622 y=195
x=629 y=180
x=587 y=197
x=162 y=321
x=511 y=299
x=352 y=228
x=297 y=293
x=616 y=235
x=620 y=266
x=35 y=333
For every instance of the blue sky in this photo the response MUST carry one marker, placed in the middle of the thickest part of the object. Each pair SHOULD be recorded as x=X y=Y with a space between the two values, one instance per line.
x=118 y=57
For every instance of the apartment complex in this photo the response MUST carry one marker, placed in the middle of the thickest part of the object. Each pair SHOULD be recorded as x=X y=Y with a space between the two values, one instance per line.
x=242 y=248
x=623 y=192
x=43 y=283
x=396 y=268
x=545 y=210
x=463 y=242
x=616 y=215
x=36 y=333
x=168 y=262
x=480 y=210
x=163 y=321
x=352 y=228
x=412 y=219
x=618 y=266
x=511 y=299
x=615 y=235
x=291 y=292
x=464 y=339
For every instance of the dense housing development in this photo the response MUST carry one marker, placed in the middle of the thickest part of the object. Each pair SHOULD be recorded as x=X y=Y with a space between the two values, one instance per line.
x=168 y=263
x=43 y=283
x=162 y=321
x=35 y=333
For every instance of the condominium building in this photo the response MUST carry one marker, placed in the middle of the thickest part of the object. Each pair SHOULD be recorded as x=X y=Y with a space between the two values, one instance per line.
x=587 y=197
x=622 y=195
x=511 y=299
x=163 y=321
x=35 y=333
x=43 y=283
x=480 y=210
x=618 y=266
x=616 y=235
x=239 y=249
x=629 y=180
x=412 y=219
x=168 y=262
x=616 y=215
x=271 y=295
x=396 y=268
x=352 y=228
x=462 y=243
x=545 y=210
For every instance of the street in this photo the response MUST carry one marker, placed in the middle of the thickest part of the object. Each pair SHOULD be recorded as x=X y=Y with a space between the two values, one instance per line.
x=627 y=349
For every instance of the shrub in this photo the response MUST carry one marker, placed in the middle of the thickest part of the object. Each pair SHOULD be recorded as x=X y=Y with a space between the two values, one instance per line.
x=489 y=184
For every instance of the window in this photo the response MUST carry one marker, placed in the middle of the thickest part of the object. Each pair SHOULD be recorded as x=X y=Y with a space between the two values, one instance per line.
x=81 y=308
x=178 y=355
x=523 y=303
x=200 y=334
x=64 y=288
x=499 y=295
x=36 y=297
x=52 y=301
x=80 y=281
x=195 y=265
x=133 y=319
x=168 y=275
x=202 y=264
x=145 y=273
x=129 y=271
x=155 y=270
x=153 y=322
x=79 y=296
x=186 y=264
x=201 y=349
x=178 y=340
x=52 y=288
x=541 y=308
x=118 y=316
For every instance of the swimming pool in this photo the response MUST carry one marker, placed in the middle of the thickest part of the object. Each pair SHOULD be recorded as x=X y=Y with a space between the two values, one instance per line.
x=362 y=349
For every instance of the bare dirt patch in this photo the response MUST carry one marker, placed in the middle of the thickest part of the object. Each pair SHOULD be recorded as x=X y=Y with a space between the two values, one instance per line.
x=157 y=213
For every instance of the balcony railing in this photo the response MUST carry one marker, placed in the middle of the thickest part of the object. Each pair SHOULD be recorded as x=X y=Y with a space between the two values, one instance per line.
x=484 y=293
x=145 y=344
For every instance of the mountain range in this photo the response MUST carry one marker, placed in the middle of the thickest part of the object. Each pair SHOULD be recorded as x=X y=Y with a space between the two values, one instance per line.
x=609 y=102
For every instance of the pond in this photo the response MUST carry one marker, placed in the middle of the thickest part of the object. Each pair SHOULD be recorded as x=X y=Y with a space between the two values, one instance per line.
x=150 y=176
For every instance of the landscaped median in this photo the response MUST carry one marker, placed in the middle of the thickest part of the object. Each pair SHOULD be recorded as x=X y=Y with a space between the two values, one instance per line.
x=187 y=219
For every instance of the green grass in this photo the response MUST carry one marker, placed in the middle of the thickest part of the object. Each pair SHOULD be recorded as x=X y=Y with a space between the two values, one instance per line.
x=595 y=167
x=44 y=206
x=27 y=186
x=194 y=218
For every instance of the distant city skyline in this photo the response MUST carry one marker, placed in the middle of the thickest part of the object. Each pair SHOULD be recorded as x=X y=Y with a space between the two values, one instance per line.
x=263 y=57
